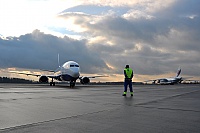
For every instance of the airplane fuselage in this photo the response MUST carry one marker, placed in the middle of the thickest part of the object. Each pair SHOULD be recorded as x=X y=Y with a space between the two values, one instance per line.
x=69 y=71
x=169 y=80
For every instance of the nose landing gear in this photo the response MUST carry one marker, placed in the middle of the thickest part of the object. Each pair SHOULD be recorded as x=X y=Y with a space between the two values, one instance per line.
x=72 y=84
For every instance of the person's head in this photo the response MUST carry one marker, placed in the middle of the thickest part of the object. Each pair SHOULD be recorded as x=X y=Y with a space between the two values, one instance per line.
x=127 y=66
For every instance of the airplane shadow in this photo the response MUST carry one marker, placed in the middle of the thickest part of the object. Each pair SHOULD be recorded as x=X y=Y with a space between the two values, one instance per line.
x=64 y=86
x=68 y=87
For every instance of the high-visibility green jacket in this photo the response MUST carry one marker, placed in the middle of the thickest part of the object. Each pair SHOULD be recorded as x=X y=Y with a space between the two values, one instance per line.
x=128 y=73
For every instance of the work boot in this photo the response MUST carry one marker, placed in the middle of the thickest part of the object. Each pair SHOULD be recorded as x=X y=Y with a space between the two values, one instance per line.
x=124 y=95
x=131 y=93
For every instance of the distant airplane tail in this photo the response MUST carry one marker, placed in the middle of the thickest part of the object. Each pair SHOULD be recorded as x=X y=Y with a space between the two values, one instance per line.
x=178 y=72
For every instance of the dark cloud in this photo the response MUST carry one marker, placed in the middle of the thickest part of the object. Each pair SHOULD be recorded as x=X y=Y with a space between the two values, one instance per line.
x=39 y=51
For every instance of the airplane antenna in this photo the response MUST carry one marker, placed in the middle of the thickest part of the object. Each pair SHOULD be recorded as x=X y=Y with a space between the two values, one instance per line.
x=58 y=60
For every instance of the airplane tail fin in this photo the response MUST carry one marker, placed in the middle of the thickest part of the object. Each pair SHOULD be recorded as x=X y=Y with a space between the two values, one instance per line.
x=178 y=72
x=56 y=69
x=58 y=64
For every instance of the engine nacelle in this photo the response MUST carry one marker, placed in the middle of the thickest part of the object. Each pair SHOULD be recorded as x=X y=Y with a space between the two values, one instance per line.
x=85 y=80
x=43 y=79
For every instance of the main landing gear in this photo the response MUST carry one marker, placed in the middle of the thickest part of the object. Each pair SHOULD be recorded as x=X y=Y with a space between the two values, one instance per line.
x=52 y=83
x=72 y=83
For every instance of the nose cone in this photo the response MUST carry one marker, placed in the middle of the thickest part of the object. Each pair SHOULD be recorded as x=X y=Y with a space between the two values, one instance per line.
x=75 y=72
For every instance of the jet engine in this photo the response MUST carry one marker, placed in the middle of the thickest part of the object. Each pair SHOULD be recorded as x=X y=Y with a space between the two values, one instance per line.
x=43 y=79
x=85 y=80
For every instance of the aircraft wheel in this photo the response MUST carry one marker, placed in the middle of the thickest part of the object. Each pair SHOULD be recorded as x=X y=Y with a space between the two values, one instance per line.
x=72 y=84
x=52 y=83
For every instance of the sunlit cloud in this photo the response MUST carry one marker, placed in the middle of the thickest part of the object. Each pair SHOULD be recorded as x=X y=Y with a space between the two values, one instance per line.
x=136 y=14
x=24 y=16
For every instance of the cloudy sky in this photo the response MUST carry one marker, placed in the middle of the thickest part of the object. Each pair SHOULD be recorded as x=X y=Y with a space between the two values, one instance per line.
x=154 y=37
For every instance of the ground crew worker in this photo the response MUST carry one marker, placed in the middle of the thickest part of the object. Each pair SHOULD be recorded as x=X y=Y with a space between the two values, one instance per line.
x=128 y=73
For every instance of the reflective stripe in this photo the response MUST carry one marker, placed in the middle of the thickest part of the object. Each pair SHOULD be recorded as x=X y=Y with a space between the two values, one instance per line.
x=131 y=92
x=124 y=92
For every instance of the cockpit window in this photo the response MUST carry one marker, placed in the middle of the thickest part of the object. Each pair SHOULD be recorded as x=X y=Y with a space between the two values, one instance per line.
x=74 y=66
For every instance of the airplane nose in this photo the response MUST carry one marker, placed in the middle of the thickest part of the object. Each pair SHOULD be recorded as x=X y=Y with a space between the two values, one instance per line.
x=76 y=72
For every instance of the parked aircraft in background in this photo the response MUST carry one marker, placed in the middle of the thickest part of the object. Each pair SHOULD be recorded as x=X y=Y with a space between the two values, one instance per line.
x=171 y=81
x=69 y=71
x=191 y=82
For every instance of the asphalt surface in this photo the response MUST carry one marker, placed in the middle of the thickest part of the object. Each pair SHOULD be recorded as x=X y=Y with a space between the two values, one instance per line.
x=100 y=109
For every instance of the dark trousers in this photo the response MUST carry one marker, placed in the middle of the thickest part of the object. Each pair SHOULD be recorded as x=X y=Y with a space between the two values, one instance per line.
x=126 y=84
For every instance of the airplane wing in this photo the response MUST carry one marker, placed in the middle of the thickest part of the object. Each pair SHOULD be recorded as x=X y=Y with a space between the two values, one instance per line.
x=32 y=74
x=191 y=80
x=86 y=79
x=150 y=80
x=93 y=76
x=47 y=70
x=153 y=80
x=51 y=70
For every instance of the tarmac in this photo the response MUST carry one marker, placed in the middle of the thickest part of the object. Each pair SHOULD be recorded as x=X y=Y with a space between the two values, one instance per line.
x=38 y=108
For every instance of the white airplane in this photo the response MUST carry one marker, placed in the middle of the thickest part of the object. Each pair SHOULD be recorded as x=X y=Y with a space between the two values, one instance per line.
x=69 y=71
x=171 y=81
